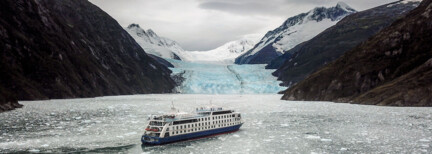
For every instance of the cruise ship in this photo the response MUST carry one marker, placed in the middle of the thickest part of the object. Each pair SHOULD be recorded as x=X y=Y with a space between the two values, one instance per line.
x=180 y=126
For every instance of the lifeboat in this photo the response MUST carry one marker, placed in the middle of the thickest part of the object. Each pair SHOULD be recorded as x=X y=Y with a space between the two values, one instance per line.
x=154 y=130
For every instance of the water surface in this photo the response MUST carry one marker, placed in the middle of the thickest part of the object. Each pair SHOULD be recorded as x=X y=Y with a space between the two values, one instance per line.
x=115 y=124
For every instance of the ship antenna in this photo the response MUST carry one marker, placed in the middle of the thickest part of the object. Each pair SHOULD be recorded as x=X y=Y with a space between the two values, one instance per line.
x=172 y=107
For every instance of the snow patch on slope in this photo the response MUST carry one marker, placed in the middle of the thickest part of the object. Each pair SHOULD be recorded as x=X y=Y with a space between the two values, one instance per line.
x=406 y=2
x=224 y=54
x=300 y=33
x=299 y=28
x=154 y=44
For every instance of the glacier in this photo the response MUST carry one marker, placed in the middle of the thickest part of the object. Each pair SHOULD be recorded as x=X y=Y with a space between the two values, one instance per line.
x=216 y=78
x=224 y=54
x=115 y=124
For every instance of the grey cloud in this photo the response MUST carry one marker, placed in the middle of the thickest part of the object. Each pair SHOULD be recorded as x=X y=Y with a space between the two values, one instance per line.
x=244 y=8
x=206 y=24
x=280 y=7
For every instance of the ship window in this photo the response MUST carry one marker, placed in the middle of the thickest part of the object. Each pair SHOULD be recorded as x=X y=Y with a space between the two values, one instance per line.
x=185 y=121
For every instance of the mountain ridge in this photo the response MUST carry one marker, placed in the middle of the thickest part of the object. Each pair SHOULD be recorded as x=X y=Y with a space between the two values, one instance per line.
x=293 y=31
x=154 y=44
x=333 y=42
x=70 y=49
x=224 y=54
x=394 y=67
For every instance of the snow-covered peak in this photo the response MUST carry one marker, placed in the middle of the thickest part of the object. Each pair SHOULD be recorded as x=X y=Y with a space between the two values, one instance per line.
x=224 y=54
x=345 y=7
x=296 y=30
x=153 y=44
x=152 y=33
x=237 y=46
x=133 y=26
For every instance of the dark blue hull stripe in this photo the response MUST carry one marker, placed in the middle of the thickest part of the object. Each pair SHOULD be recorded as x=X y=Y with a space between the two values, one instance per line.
x=189 y=136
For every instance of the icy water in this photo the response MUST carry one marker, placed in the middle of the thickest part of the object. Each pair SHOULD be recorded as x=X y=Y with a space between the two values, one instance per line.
x=115 y=125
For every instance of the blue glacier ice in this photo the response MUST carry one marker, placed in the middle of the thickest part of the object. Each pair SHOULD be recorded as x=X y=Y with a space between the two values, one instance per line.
x=208 y=78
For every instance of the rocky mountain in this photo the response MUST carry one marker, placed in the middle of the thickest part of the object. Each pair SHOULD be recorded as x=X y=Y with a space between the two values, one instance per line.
x=394 y=67
x=154 y=44
x=294 y=31
x=225 y=53
x=332 y=43
x=66 y=49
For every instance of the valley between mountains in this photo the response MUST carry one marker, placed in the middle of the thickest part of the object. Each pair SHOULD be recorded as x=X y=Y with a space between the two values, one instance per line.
x=37 y=63
x=332 y=79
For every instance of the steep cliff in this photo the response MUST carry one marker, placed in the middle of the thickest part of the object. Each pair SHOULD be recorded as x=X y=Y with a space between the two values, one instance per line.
x=329 y=45
x=67 y=49
x=394 y=67
x=294 y=31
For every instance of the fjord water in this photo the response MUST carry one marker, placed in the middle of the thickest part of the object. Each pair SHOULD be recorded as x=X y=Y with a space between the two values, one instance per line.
x=115 y=124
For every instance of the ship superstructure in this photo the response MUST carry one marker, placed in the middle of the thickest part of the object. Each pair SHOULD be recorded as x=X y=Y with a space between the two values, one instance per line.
x=178 y=126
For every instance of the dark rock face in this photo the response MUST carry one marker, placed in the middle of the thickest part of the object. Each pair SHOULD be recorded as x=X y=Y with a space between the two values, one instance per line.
x=329 y=45
x=264 y=51
x=278 y=61
x=67 y=49
x=161 y=61
x=394 y=67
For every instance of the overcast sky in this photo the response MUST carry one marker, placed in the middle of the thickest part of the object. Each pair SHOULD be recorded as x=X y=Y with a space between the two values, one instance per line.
x=207 y=24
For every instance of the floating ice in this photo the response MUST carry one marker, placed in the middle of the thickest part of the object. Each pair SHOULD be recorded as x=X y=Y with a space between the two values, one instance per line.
x=34 y=150
x=326 y=140
x=424 y=140
x=313 y=137
x=321 y=127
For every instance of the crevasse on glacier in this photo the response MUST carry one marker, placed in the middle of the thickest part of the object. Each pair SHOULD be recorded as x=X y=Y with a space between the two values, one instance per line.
x=205 y=78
